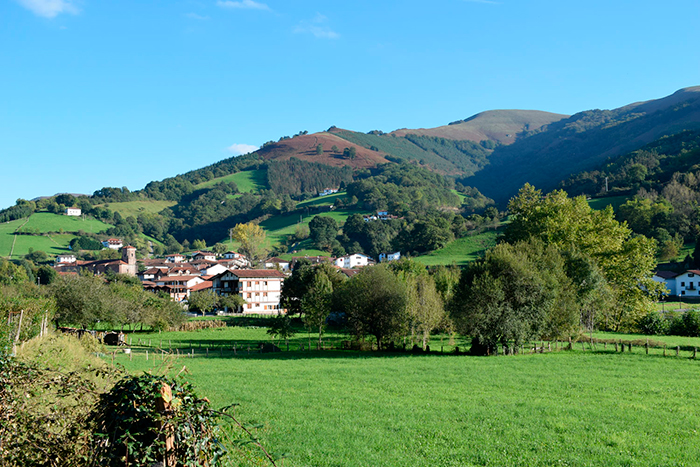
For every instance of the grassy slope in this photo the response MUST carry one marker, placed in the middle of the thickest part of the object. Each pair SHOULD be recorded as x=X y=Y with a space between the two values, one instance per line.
x=322 y=200
x=350 y=409
x=614 y=201
x=461 y=251
x=45 y=222
x=247 y=181
x=48 y=222
x=134 y=208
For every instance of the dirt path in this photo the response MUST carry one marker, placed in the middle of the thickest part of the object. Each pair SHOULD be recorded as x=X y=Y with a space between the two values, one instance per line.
x=14 y=239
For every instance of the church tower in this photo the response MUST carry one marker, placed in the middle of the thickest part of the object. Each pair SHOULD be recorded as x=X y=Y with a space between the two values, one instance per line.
x=129 y=257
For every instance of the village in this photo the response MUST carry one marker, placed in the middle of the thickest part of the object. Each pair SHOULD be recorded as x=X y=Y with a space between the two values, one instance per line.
x=179 y=275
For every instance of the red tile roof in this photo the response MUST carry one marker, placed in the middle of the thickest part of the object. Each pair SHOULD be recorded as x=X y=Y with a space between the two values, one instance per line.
x=203 y=286
x=253 y=273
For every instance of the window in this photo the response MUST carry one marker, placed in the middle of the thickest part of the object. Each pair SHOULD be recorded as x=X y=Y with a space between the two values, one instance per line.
x=250 y=306
x=682 y=284
x=265 y=283
x=257 y=283
x=690 y=274
x=249 y=295
x=264 y=294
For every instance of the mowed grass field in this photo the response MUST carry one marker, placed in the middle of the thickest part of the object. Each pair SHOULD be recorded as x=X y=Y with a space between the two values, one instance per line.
x=134 y=208
x=49 y=222
x=341 y=408
x=45 y=222
x=247 y=181
x=461 y=251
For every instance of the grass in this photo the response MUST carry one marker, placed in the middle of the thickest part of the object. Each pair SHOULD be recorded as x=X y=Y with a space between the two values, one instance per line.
x=247 y=181
x=49 y=222
x=355 y=409
x=52 y=245
x=7 y=235
x=134 y=208
x=279 y=227
x=602 y=203
x=322 y=200
x=461 y=251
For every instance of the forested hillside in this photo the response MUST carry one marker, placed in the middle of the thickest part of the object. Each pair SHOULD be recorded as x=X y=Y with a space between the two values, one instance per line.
x=662 y=180
x=582 y=142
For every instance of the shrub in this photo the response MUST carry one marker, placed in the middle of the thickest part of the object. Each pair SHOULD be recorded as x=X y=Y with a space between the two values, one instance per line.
x=687 y=324
x=652 y=324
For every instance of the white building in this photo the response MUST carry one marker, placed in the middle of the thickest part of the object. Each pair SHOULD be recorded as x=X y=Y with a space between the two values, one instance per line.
x=204 y=255
x=277 y=263
x=389 y=256
x=176 y=258
x=260 y=288
x=113 y=244
x=353 y=261
x=73 y=211
x=64 y=259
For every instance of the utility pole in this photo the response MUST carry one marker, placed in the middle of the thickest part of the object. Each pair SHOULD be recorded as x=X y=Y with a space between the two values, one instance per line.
x=606 y=184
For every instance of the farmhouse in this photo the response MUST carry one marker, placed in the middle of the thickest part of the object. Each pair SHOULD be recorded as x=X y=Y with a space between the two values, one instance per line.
x=389 y=257
x=260 y=288
x=73 y=212
x=65 y=258
x=204 y=255
x=277 y=263
x=353 y=261
x=176 y=258
x=179 y=287
x=113 y=243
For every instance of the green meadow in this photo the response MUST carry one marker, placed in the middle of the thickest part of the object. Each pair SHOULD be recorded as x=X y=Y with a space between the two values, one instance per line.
x=247 y=181
x=134 y=208
x=49 y=222
x=346 y=408
x=461 y=251
x=602 y=203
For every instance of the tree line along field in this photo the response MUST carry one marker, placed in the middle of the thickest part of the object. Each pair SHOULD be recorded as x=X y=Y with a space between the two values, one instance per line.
x=344 y=408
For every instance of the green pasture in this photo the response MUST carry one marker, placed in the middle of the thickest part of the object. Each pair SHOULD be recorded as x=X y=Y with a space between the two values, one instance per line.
x=134 y=208
x=322 y=200
x=49 y=222
x=7 y=235
x=278 y=227
x=461 y=251
x=51 y=244
x=602 y=203
x=343 y=408
x=247 y=181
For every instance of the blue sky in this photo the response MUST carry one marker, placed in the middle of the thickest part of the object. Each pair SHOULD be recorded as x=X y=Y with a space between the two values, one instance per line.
x=119 y=93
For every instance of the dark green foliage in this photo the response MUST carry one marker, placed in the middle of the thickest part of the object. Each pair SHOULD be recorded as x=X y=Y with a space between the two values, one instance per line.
x=130 y=426
x=85 y=243
x=686 y=324
x=323 y=231
x=294 y=176
x=20 y=210
x=516 y=293
x=375 y=303
x=652 y=324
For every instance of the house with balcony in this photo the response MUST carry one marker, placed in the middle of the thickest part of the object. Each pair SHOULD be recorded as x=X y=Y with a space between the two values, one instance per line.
x=260 y=288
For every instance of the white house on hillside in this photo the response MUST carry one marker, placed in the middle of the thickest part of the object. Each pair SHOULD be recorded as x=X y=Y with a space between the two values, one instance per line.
x=113 y=243
x=390 y=256
x=353 y=261
x=685 y=284
x=73 y=211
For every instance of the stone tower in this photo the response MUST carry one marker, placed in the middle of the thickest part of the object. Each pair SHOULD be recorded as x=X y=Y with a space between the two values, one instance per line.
x=129 y=257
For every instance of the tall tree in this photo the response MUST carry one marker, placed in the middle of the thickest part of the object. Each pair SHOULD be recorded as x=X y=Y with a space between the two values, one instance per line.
x=316 y=303
x=252 y=239
x=374 y=301
x=626 y=261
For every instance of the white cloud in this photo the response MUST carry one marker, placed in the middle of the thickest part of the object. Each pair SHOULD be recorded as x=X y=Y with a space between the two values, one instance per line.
x=196 y=16
x=50 y=8
x=238 y=149
x=243 y=5
x=317 y=27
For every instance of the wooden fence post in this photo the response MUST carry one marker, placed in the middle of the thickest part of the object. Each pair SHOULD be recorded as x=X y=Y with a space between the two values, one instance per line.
x=616 y=347
x=622 y=347
x=664 y=350
x=695 y=350
x=146 y=355
x=646 y=347
x=163 y=406
x=630 y=347
x=678 y=349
